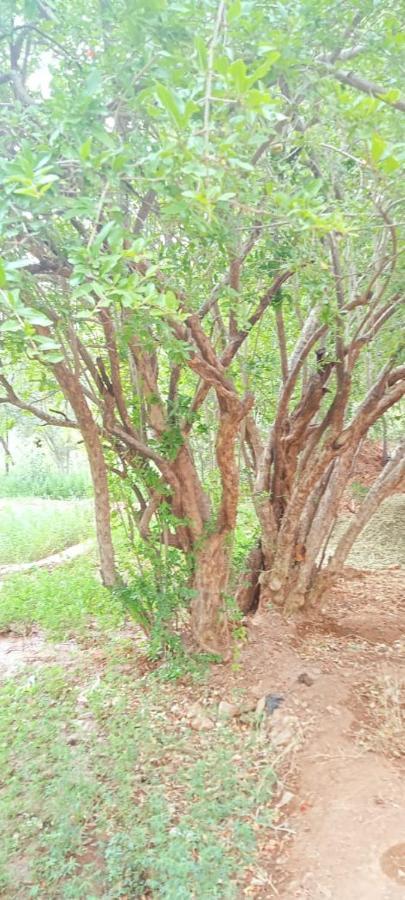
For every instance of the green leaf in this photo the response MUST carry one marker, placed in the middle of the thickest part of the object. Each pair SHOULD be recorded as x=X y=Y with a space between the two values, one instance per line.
x=222 y=65
x=54 y=356
x=234 y=10
x=85 y=149
x=93 y=83
x=237 y=71
x=3 y=276
x=265 y=67
x=201 y=49
x=11 y=325
x=103 y=234
x=390 y=164
x=378 y=146
x=169 y=102
x=36 y=318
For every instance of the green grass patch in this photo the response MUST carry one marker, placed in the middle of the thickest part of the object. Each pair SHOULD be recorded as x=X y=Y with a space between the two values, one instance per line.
x=64 y=602
x=37 y=481
x=117 y=797
x=32 y=529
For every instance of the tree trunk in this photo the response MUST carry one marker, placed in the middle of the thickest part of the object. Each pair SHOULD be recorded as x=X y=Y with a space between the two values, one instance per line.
x=392 y=479
x=248 y=588
x=73 y=392
x=208 y=611
x=7 y=455
x=102 y=510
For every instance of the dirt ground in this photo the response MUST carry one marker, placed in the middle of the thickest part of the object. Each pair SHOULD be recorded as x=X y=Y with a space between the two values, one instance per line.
x=341 y=832
x=338 y=736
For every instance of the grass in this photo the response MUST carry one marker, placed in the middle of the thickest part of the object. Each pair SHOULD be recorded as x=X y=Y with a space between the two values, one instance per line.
x=64 y=602
x=135 y=805
x=106 y=791
x=37 y=481
x=34 y=528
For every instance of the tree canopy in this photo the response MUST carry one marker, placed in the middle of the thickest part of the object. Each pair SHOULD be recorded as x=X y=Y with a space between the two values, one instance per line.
x=201 y=254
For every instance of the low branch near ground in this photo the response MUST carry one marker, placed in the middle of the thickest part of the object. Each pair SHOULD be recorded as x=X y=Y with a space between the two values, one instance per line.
x=392 y=479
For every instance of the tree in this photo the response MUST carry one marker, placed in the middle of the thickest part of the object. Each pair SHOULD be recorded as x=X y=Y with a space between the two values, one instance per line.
x=187 y=175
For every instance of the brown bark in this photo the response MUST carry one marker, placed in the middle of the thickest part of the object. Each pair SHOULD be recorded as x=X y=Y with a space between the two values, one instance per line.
x=209 y=620
x=248 y=589
x=73 y=392
x=392 y=479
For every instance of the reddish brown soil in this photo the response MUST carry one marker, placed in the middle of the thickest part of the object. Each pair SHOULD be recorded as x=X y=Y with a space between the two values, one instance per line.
x=341 y=834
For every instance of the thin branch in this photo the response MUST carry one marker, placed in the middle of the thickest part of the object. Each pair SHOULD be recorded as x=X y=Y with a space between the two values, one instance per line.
x=210 y=69
x=362 y=84
x=282 y=344
x=12 y=398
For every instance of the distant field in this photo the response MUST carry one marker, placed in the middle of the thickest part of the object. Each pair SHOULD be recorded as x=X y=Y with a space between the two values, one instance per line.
x=33 y=528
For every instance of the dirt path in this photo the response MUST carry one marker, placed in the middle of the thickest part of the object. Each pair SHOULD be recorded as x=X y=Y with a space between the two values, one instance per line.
x=49 y=562
x=343 y=830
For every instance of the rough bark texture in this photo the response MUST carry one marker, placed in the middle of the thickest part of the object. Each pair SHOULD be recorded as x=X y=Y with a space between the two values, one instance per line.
x=90 y=433
x=209 y=621
x=248 y=588
x=304 y=465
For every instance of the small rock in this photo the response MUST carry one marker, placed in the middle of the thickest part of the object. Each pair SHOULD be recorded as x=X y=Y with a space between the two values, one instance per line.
x=304 y=678
x=227 y=710
x=195 y=710
x=273 y=701
x=283 y=731
x=72 y=740
x=201 y=723
x=285 y=798
x=247 y=706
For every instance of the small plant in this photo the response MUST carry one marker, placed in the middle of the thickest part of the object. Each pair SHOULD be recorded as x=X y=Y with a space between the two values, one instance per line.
x=359 y=491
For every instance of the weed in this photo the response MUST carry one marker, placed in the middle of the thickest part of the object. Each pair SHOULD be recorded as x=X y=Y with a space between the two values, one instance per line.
x=64 y=601
x=35 y=481
x=31 y=529
x=358 y=490
x=139 y=804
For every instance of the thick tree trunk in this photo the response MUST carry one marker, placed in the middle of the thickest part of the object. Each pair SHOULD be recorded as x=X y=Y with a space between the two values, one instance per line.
x=102 y=510
x=248 y=588
x=208 y=616
x=73 y=392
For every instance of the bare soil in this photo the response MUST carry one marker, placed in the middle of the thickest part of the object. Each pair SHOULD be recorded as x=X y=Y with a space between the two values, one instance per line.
x=340 y=836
